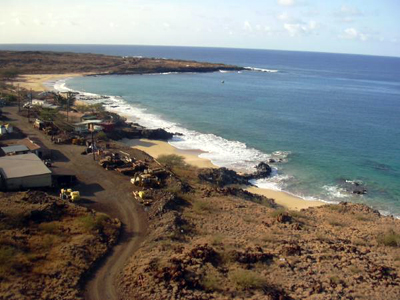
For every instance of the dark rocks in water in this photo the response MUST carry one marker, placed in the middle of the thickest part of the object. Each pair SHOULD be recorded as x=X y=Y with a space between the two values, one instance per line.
x=139 y=133
x=263 y=170
x=156 y=134
x=355 y=187
x=222 y=177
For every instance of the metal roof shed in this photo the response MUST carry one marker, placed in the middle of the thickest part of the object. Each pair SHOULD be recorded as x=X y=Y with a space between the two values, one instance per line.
x=23 y=171
x=15 y=149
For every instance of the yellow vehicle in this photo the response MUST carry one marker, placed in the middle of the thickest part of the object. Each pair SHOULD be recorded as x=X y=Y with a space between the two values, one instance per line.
x=69 y=194
x=143 y=197
x=146 y=180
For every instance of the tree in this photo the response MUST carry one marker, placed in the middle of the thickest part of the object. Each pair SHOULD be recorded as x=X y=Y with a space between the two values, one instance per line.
x=60 y=100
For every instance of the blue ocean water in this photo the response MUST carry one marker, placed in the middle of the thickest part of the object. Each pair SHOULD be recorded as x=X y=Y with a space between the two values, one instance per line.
x=332 y=118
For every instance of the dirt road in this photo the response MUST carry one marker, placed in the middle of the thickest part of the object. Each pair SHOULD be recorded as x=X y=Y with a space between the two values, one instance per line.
x=104 y=191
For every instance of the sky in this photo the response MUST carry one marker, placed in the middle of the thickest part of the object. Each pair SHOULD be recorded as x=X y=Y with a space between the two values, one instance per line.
x=349 y=26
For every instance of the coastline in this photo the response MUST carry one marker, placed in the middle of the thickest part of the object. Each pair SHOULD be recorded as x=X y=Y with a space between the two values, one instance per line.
x=37 y=82
x=156 y=148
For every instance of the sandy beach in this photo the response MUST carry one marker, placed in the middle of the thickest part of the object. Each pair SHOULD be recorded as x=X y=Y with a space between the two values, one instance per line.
x=36 y=82
x=157 y=148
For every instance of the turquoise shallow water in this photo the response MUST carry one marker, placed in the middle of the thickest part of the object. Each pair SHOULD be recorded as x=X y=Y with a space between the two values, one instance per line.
x=332 y=117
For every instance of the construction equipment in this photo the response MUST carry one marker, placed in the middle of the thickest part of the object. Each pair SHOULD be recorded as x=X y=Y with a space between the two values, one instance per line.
x=146 y=180
x=143 y=197
x=69 y=194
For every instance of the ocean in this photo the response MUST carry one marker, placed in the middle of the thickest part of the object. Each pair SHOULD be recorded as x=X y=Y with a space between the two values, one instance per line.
x=332 y=120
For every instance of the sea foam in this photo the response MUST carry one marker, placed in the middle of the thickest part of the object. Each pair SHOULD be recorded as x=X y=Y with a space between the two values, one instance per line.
x=261 y=70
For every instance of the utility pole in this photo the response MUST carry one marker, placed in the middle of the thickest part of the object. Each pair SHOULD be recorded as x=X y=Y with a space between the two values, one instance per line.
x=67 y=107
x=29 y=107
x=91 y=129
x=19 y=99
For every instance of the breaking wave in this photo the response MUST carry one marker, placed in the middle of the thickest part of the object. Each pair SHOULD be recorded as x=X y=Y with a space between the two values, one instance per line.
x=261 y=70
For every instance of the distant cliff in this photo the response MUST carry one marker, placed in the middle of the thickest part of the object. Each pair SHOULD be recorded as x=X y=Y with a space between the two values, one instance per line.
x=44 y=62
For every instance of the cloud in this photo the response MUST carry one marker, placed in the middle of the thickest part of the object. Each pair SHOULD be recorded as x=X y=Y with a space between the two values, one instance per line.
x=297 y=29
x=19 y=22
x=283 y=16
x=166 y=25
x=353 y=34
x=38 y=22
x=286 y=2
x=247 y=26
x=348 y=13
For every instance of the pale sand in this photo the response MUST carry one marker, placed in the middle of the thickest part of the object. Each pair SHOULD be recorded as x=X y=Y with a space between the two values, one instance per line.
x=157 y=148
x=286 y=200
x=36 y=82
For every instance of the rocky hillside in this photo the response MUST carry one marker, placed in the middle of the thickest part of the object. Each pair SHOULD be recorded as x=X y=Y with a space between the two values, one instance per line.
x=43 y=62
x=47 y=245
x=208 y=242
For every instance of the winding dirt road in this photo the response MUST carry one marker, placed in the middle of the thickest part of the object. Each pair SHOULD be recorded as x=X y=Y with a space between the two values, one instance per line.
x=104 y=191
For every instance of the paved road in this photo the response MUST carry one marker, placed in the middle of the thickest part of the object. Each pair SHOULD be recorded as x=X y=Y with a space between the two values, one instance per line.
x=104 y=191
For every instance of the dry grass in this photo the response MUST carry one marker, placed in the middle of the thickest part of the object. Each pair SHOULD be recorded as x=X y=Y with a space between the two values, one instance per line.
x=202 y=206
x=246 y=279
x=390 y=239
x=211 y=282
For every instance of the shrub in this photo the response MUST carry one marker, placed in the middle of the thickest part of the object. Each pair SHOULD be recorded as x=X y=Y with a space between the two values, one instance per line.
x=6 y=255
x=391 y=239
x=246 y=279
x=217 y=240
x=49 y=228
x=171 y=160
x=276 y=212
x=200 y=206
x=211 y=282
x=91 y=222
x=102 y=136
x=336 y=223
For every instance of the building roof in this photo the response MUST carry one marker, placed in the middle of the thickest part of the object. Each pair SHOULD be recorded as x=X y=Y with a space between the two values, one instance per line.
x=89 y=122
x=23 y=165
x=29 y=144
x=14 y=148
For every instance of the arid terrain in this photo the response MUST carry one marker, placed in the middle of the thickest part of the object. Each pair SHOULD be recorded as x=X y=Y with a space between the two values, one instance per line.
x=222 y=243
x=47 y=245
x=38 y=62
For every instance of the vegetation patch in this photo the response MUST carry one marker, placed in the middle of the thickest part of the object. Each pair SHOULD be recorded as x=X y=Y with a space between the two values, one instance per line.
x=247 y=280
x=171 y=161
x=390 y=238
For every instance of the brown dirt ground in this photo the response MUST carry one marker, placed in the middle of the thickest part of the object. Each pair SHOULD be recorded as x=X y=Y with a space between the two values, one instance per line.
x=103 y=192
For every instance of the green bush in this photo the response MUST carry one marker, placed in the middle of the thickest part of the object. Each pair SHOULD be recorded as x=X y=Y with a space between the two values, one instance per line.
x=49 y=228
x=102 y=136
x=6 y=255
x=211 y=282
x=201 y=206
x=171 y=160
x=246 y=279
x=391 y=239
x=91 y=222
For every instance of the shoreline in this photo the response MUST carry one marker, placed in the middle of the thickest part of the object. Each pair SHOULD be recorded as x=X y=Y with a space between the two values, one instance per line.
x=37 y=82
x=156 y=148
